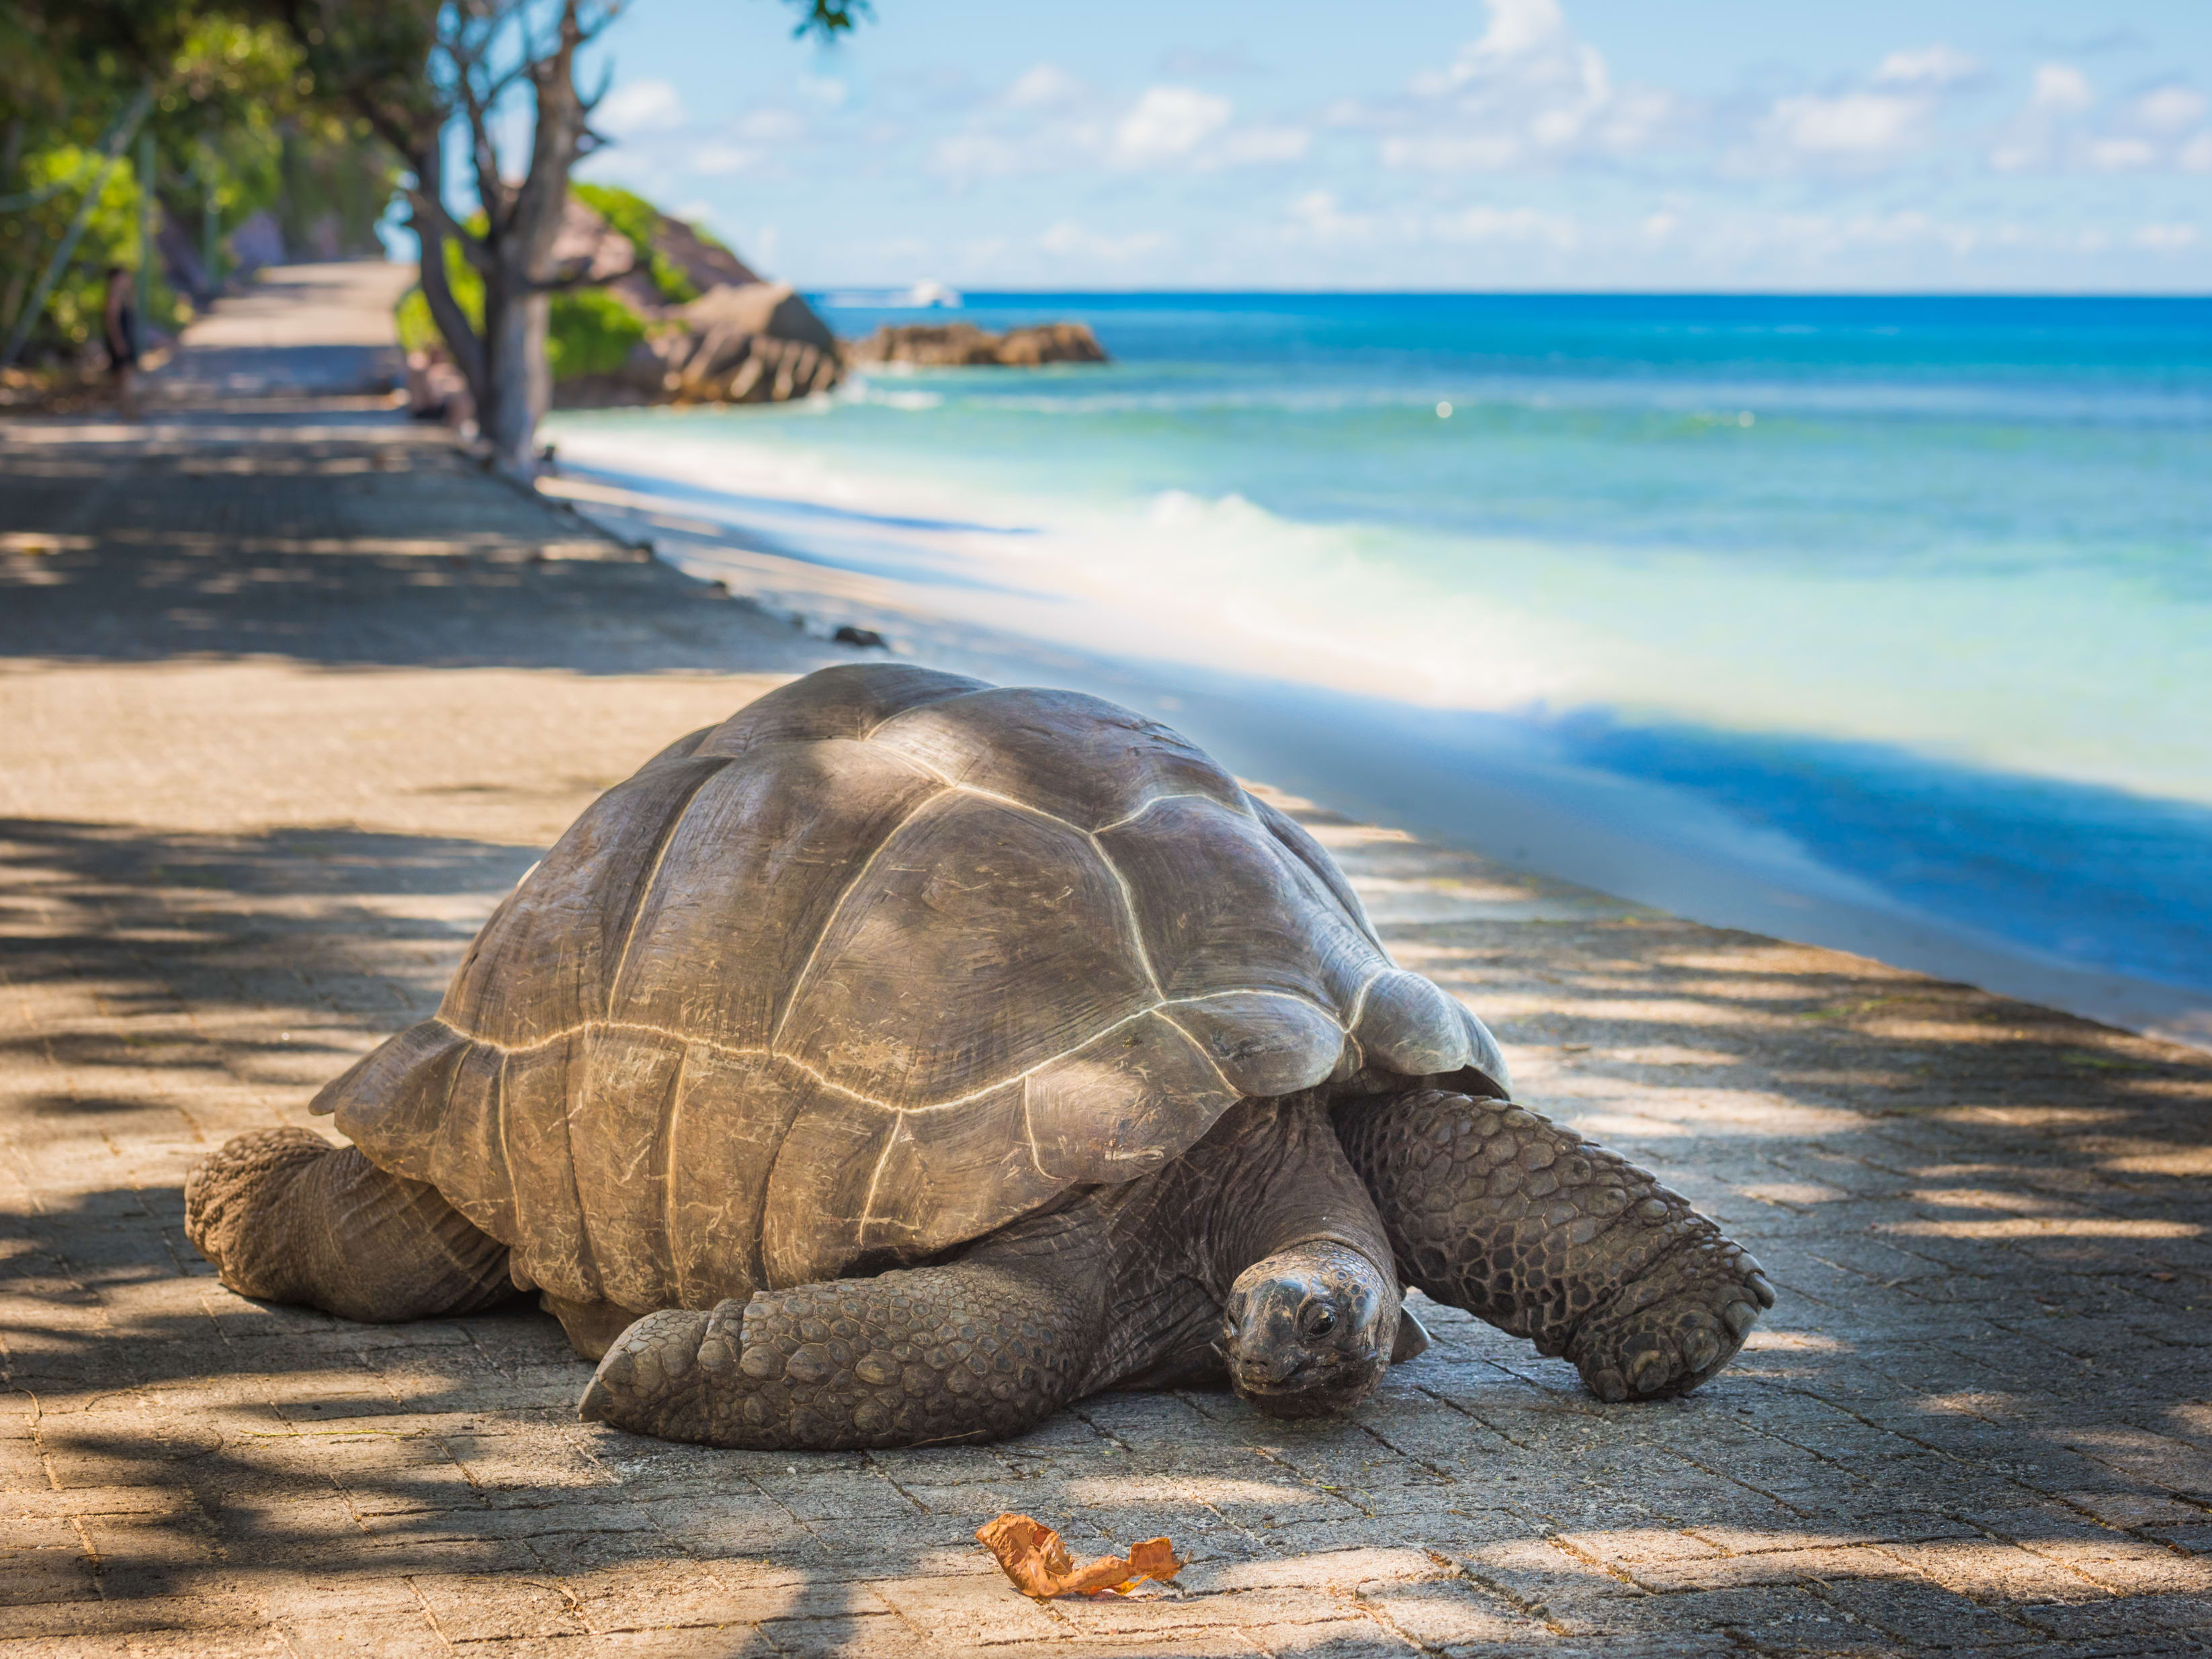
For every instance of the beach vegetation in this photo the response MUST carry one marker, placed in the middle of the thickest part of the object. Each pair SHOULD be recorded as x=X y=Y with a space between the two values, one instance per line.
x=639 y=220
x=147 y=134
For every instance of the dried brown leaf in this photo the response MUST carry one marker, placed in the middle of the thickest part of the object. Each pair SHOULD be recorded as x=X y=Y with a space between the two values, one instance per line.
x=1032 y=1555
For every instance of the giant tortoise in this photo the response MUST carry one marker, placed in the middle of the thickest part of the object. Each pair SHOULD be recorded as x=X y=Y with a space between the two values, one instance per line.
x=906 y=1057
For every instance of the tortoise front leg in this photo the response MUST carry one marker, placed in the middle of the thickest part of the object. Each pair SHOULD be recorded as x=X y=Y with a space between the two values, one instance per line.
x=1492 y=1208
x=969 y=1351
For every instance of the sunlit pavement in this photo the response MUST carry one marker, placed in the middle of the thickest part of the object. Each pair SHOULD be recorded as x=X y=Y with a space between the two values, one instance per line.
x=289 y=697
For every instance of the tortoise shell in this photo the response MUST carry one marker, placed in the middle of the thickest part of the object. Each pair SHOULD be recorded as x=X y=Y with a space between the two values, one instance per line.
x=884 y=961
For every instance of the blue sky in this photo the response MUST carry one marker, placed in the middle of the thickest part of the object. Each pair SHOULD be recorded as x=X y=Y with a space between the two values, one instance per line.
x=1706 y=144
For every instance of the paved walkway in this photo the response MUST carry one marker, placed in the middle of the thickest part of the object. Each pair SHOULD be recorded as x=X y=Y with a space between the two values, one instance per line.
x=289 y=696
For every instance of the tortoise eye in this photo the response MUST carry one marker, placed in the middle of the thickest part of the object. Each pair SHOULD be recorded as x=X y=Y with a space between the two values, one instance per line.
x=1318 y=1319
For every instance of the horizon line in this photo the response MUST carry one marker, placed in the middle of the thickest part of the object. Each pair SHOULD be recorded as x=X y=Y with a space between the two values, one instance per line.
x=2168 y=296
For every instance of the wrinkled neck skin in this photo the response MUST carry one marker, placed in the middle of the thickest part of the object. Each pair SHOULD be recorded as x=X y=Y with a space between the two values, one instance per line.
x=1270 y=1174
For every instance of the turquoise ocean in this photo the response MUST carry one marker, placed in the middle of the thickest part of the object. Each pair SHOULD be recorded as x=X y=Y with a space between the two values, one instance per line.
x=1900 y=605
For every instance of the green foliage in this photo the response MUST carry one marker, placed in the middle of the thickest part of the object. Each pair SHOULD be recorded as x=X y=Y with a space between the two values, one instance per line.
x=418 y=332
x=826 y=19
x=631 y=215
x=591 y=331
x=236 y=128
x=75 y=309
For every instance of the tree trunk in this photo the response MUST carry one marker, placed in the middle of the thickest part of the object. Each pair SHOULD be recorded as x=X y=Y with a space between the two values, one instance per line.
x=518 y=381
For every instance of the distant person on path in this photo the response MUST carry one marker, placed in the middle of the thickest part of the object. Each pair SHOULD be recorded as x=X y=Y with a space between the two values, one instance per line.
x=121 y=321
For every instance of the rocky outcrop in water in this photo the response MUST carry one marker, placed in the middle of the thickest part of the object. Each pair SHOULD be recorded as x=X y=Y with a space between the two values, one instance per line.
x=960 y=345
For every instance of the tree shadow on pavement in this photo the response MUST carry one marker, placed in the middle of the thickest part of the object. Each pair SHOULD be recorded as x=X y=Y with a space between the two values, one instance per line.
x=370 y=548
x=1981 y=1416
x=1978 y=1418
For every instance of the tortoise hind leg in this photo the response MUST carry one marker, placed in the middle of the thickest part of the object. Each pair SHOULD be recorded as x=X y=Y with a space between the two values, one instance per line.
x=287 y=1216
x=1492 y=1208
x=972 y=1350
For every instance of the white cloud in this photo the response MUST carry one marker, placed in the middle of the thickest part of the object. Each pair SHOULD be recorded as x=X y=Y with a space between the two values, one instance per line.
x=824 y=90
x=1517 y=28
x=640 y=106
x=2062 y=88
x=1936 y=65
x=2121 y=155
x=1069 y=240
x=1440 y=154
x=1851 y=124
x=717 y=158
x=1168 y=123
x=2061 y=129
x=978 y=155
x=2165 y=238
x=1317 y=217
x=1242 y=146
x=1525 y=93
x=1043 y=85
x=1489 y=224
x=1817 y=237
x=771 y=126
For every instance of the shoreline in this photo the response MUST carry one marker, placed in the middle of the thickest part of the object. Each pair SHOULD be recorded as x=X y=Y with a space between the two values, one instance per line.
x=1462 y=780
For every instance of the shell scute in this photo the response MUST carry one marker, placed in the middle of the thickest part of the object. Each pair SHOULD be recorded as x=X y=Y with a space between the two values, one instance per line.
x=544 y=963
x=1408 y=1024
x=1078 y=757
x=818 y=1188
x=1314 y=859
x=395 y=1095
x=1264 y=1043
x=468 y=1153
x=849 y=701
x=748 y=880
x=982 y=940
x=552 y=1240
x=951 y=1172
x=729 y=1121
x=621 y=1097
x=1224 y=906
x=1113 y=1110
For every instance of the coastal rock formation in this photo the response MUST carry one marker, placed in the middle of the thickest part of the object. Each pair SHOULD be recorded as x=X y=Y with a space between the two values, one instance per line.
x=756 y=343
x=707 y=328
x=942 y=345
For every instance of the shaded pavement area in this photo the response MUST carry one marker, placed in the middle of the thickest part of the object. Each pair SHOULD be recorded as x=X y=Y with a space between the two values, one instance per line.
x=289 y=696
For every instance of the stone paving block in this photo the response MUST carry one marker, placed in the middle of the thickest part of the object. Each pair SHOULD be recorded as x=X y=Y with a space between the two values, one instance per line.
x=374 y=1636
x=2123 y=1621
x=50 y=1567
x=1450 y=1613
x=1786 y=1619
x=1915 y=1611
x=655 y=1593
x=871 y=1634
x=480 y=1609
x=971 y=1612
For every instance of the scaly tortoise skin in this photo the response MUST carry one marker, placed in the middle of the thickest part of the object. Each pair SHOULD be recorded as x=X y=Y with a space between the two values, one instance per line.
x=899 y=1004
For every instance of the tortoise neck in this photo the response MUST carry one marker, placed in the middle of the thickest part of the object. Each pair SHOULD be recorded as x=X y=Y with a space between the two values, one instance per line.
x=1279 y=1180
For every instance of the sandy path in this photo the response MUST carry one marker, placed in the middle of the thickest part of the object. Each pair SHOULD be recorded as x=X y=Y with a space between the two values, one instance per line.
x=289 y=696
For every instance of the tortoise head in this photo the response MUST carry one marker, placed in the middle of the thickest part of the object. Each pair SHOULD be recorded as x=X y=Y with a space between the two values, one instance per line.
x=1309 y=1330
